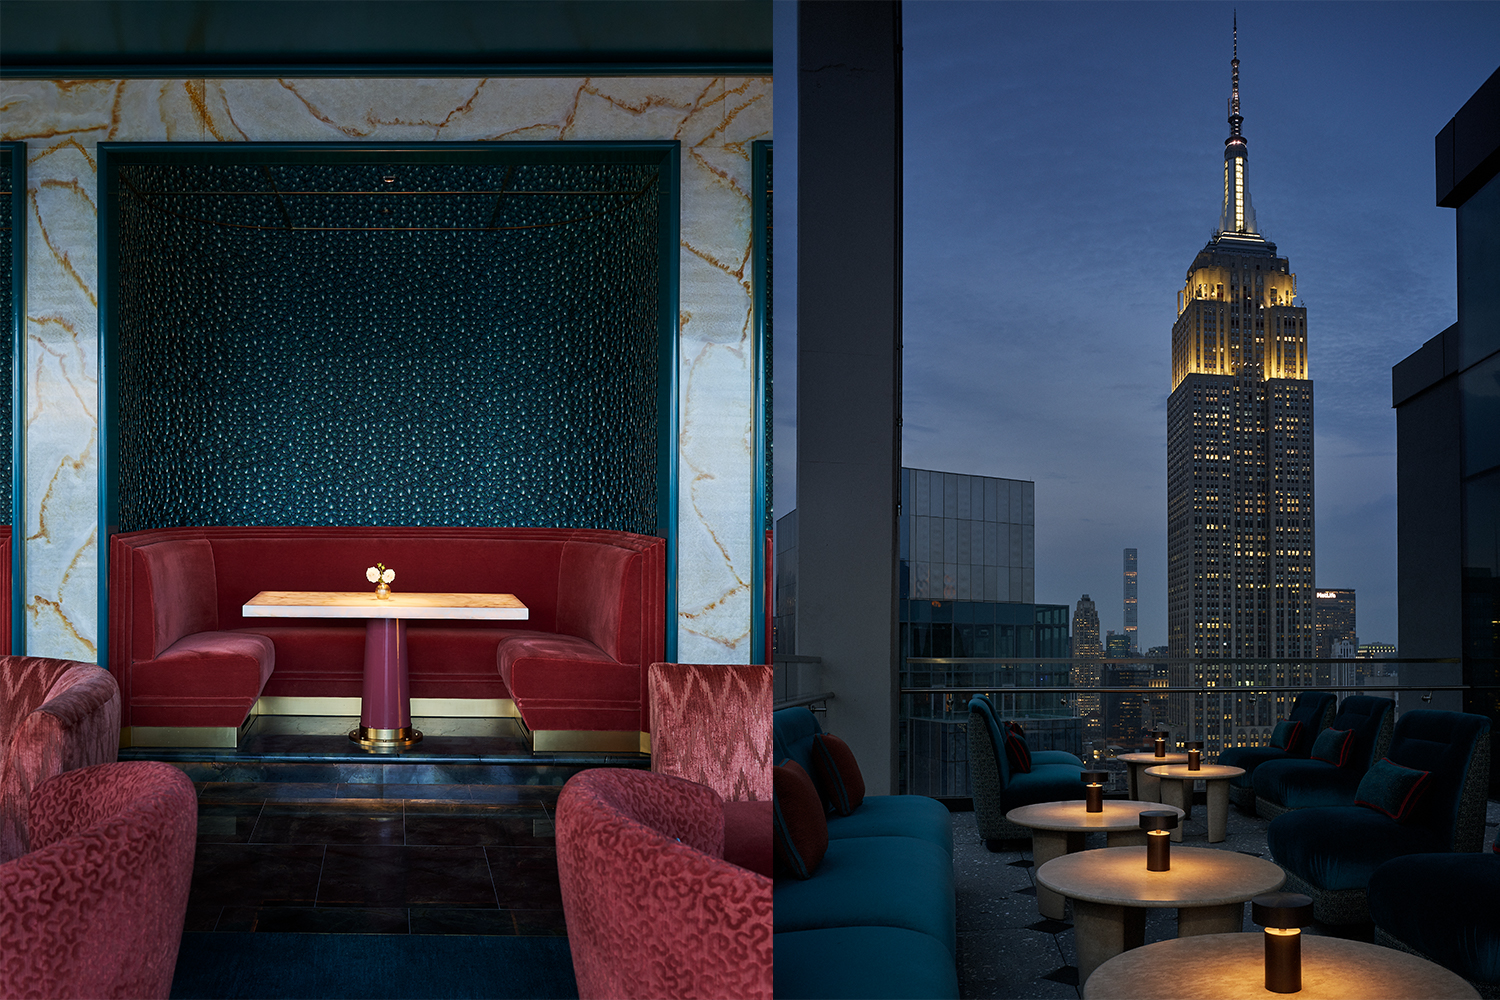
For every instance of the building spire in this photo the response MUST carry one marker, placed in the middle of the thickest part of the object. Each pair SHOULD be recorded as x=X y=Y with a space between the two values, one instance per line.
x=1237 y=217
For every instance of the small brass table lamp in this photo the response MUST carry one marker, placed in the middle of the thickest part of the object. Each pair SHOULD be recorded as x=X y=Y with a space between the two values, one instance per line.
x=1093 y=790
x=1195 y=755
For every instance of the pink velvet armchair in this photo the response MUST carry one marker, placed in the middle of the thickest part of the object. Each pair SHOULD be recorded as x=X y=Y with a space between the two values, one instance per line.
x=652 y=908
x=96 y=908
x=55 y=716
x=711 y=723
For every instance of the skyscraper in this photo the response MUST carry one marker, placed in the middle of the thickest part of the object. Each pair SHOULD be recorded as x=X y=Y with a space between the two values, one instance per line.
x=1335 y=619
x=1130 y=603
x=1086 y=655
x=1239 y=457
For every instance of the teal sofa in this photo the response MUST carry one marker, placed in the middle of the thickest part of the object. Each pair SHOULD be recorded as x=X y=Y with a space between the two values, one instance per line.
x=1055 y=776
x=876 y=919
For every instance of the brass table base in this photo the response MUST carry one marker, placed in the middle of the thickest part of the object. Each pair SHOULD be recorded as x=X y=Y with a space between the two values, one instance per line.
x=385 y=739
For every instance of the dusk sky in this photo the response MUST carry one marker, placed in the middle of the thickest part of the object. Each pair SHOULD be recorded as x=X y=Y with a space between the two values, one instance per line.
x=1063 y=167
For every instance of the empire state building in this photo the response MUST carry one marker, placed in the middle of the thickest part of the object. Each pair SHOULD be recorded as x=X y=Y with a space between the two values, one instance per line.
x=1240 y=451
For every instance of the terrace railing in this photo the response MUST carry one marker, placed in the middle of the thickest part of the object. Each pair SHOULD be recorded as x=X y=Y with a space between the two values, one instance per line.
x=1224 y=702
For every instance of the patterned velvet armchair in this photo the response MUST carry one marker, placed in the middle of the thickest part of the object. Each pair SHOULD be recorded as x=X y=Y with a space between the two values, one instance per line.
x=96 y=908
x=711 y=723
x=55 y=716
x=653 y=909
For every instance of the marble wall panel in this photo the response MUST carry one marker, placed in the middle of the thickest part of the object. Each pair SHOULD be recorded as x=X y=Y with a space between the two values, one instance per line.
x=716 y=119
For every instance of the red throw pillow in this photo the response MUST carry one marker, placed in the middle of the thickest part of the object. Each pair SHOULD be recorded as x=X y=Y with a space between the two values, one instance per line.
x=801 y=825
x=1333 y=746
x=837 y=773
x=1016 y=750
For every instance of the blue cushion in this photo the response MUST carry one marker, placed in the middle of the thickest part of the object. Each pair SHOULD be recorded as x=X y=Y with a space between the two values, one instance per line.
x=1309 y=709
x=1339 y=847
x=1392 y=789
x=1364 y=715
x=1286 y=735
x=1249 y=758
x=1443 y=905
x=1045 y=783
x=873 y=881
x=897 y=816
x=1443 y=743
x=1300 y=784
x=877 y=962
x=1334 y=746
x=792 y=732
x=1054 y=757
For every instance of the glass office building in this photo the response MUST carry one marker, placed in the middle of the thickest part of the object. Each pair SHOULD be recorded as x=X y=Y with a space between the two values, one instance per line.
x=967 y=578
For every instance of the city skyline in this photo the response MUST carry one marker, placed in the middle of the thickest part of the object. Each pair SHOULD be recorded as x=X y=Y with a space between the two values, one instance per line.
x=1058 y=160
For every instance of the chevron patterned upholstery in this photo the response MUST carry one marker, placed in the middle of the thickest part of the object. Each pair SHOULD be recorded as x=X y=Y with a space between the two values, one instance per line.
x=711 y=723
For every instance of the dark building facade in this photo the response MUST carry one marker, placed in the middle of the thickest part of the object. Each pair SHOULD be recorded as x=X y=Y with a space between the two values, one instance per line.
x=1335 y=619
x=1448 y=441
x=1240 y=460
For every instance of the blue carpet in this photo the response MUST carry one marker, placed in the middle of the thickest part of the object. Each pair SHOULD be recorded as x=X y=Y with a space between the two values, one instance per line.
x=267 y=965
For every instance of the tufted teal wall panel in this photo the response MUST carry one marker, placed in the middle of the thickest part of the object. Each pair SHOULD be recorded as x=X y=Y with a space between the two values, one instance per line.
x=354 y=342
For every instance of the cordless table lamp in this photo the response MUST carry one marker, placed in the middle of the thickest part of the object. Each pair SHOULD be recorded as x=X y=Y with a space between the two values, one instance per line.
x=1158 y=824
x=1161 y=743
x=1195 y=755
x=1283 y=915
x=1093 y=790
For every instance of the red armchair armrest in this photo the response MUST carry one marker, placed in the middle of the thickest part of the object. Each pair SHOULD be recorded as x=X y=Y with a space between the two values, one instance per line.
x=57 y=716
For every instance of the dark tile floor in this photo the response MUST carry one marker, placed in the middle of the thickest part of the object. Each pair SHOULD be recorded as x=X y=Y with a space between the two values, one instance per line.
x=347 y=858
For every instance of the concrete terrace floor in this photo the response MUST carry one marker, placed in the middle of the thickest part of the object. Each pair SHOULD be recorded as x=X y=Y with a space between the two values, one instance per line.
x=1006 y=948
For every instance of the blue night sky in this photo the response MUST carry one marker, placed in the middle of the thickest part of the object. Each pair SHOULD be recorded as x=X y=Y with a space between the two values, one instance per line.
x=1062 y=169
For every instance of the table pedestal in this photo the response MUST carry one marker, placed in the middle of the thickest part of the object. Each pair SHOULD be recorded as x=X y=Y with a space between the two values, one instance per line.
x=1049 y=844
x=1179 y=793
x=1102 y=930
x=385 y=713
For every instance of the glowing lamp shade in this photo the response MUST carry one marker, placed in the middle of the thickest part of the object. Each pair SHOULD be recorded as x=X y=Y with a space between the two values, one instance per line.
x=1161 y=743
x=1195 y=755
x=1093 y=790
x=1158 y=824
x=1283 y=915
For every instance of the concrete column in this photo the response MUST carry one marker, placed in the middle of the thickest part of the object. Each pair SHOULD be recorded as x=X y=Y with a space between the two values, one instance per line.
x=849 y=366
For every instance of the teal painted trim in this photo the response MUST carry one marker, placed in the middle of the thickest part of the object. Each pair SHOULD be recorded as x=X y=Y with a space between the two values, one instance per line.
x=107 y=200
x=668 y=390
x=60 y=70
x=17 y=182
x=760 y=152
x=664 y=153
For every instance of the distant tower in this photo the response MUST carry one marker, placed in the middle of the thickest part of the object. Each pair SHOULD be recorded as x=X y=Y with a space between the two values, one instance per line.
x=1240 y=462
x=1086 y=649
x=1130 y=609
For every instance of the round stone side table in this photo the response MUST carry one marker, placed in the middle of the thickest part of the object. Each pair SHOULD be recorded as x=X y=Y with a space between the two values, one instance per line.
x=1058 y=828
x=1177 y=789
x=1232 y=967
x=1111 y=891
x=1143 y=787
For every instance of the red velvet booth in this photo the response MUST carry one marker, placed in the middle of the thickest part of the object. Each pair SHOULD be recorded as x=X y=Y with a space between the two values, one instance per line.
x=55 y=716
x=96 y=908
x=185 y=656
x=652 y=908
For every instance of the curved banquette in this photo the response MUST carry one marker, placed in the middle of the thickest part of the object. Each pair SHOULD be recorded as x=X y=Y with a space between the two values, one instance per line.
x=574 y=672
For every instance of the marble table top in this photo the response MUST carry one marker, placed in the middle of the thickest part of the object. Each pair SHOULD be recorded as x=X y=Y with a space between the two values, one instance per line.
x=1232 y=966
x=1206 y=771
x=1071 y=816
x=1150 y=758
x=1199 y=877
x=364 y=604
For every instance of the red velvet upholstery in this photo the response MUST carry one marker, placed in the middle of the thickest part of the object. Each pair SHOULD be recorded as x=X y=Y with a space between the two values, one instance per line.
x=596 y=599
x=55 y=716
x=711 y=723
x=652 y=909
x=96 y=908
